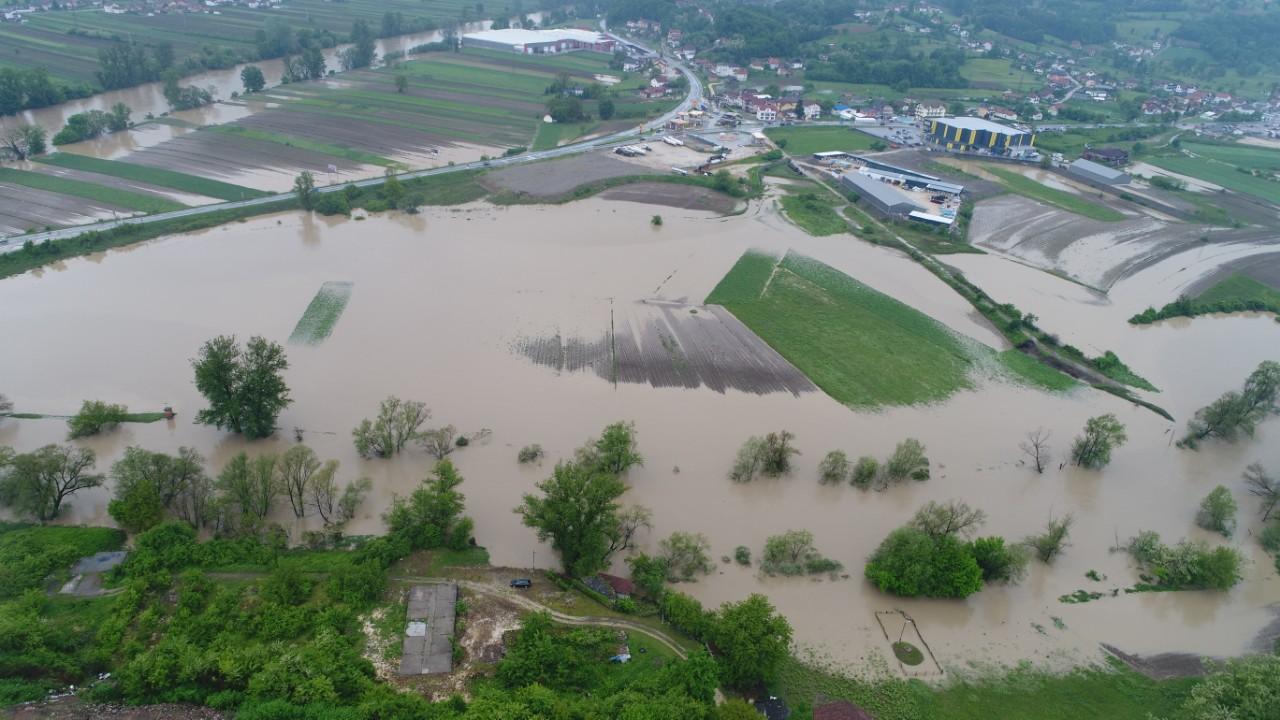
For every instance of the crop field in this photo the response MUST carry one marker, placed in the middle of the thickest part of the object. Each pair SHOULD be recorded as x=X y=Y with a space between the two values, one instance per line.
x=1216 y=164
x=862 y=347
x=814 y=210
x=67 y=42
x=802 y=141
x=90 y=191
x=1071 y=143
x=1027 y=187
x=996 y=73
x=1240 y=287
x=322 y=314
x=153 y=176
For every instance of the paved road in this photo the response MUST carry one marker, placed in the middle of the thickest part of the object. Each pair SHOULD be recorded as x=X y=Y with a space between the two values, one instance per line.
x=14 y=242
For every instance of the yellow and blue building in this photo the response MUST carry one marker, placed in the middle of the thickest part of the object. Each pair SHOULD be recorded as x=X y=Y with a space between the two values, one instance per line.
x=972 y=134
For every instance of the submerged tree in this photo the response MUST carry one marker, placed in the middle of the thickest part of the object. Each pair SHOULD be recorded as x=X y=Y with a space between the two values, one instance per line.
x=1102 y=434
x=397 y=423
x=1218 y=511
x=578 y=512
x=685 y=555
x=834 y=468
x=1264 y=486
x=770 y=455
x=253 y=79
x=439 y=442
x=245 y=388
x=615 y=451
x=1053 y=540
x=1238 y=412
x=298 y=468
x=36 y=484
x=1036 y=447
x=147 y=484
x=908 y=461
x=94 y=417
x=248 y=488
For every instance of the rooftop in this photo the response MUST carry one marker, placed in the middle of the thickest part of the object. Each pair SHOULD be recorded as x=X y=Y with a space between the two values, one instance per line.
x=518 y=36
x=973 y=123
x=882 y=193
x=1094 y=168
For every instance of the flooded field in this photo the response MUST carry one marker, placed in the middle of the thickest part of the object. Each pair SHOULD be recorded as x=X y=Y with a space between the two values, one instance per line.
x=446 y=296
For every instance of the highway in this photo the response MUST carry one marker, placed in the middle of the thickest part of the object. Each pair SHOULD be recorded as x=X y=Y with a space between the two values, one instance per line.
x=694 y=96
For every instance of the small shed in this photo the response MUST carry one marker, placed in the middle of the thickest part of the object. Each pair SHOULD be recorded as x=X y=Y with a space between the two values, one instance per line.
x=1095 y=172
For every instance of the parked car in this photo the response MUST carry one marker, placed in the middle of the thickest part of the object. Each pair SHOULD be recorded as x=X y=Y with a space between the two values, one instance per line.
x=522 y=583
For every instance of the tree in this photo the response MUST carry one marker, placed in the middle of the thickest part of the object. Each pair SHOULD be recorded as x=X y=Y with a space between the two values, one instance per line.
x=908 y=461
x=565 y=109
x=23 y=141
x=397 y=423
x=149 y=483
x=363 y=45
x=432 y=516
x=747 y=464
x=1218 y=511
x=36 y=484
x=865 y=472
x=1053 y=540
x=1000 y=562
x=352 y=495
x=615 y=451
x=94 y=417
x=253 y=79
x=1036 y=447
x=245 y=388
x=196 y=502
x=793 y=553
x=1102 y=434
x=335 y=508
x=248 y=488
x=578 y=512
x=631 y=520
x=770 y=455
x=312 y=62
x=6 y=405
x=1264 y=486
x=402 y=83
x=910 y=563
x=298 y=468
x=649 y=574
x=1237 y=412
x=118 y=118
x=752 y=639
x=685 y=555
x=304 y=186
x=439 y=442
x=736 y=709
x=834 y=468
x=1246 y=688
x=954 y=517
x=605 y=108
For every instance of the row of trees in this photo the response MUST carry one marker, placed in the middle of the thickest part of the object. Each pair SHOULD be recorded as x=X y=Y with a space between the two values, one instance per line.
x=22 y=89
x=93 y=123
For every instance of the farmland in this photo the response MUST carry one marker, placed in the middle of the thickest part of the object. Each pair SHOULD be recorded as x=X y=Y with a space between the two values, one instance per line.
x=801 y=141
x=1030 y=188
x=153 y=176
x=1230 y=166
x=322 y=314
x=996 y=73
x=90 y=191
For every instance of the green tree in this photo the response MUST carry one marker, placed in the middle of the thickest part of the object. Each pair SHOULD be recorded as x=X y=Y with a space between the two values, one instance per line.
x=1247 y=688
x=648 y=573
x=253 y=79
x=578 y=512
x=363 y=45
x=146 y=484
x=398 y=422
x=1102 y=434
x=432 y=515
x=908 y=461
x=834 y=468
x=1238 y=412
x=686 y=614
x=605 y=108
x=685 y=555
x=1049 y=544
x=1218 y=511
x=865 y=472
x=245 y=388
x=298 y=468
x=94 y=417
x=248 y=489
x=736 y=709
x=36 y=484
x=910 y=563
x=118 y=118
x=23 y=141
x=752 y=639
x=999 y=562
x=402 y=83
x=615 y=451
x=304 y=186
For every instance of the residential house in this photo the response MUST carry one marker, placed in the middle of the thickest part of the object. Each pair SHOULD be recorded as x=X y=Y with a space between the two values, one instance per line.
x=812 y=111
x=924 y=111
x=674 y=37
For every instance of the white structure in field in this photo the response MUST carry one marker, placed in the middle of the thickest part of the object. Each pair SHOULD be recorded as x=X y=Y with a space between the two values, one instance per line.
x=539 y=42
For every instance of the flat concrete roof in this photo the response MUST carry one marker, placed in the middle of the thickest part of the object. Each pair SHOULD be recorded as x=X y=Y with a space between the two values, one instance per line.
x=1093 y=168
x=880 y=192
x=930 y=217
x=520 y=36
x=973 y=123
x=427 y=648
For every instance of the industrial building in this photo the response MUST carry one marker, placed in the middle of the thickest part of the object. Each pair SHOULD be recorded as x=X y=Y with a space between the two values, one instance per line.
x=880 y=195
x=977 y=135
x=539 y=42
x=1096 y=172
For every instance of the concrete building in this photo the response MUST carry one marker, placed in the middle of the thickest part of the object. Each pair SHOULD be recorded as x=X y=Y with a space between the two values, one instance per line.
x=975 y=134
x=930 y=112
x=880 y=195
x=1095 y=172
x=539 y=42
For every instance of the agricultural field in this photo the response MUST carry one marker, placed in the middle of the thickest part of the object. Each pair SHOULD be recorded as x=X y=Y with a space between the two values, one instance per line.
x=1227 y=166
x=1072 y=142
x=1240 y=287
x=860 y=346
x=803 y=141
x=127 y=199
x=322 y=313
x=998 y=74
x=1027 y=187
x=814 y=210
x=153 y=176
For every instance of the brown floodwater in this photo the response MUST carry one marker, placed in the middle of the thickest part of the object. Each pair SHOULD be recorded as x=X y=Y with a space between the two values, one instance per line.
x=440 y=299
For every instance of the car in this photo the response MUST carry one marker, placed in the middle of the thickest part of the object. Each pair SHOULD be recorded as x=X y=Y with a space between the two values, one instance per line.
x=522 y=583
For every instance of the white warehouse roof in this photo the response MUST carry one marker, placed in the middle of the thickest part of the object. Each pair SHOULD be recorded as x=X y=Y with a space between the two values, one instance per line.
x=973 y=123
x=519 y=36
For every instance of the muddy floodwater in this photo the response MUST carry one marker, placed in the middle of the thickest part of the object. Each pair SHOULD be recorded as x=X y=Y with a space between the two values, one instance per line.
x=441 y=301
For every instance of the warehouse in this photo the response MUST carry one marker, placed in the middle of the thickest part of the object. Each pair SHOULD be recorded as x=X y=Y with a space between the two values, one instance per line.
x=880 y=195
x=539 y=42
x=1096 y=172
x=977 y=135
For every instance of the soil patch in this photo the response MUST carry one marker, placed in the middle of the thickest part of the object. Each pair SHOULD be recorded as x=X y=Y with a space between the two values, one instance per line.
x=687 y=197
x=1163 y=666
x=553 y=179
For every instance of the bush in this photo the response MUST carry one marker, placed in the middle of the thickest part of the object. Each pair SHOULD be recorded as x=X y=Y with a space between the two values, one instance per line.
x=742 y=553
x=530 y=453
x=1189 y=565
x=94 y=417
x=999 y=562
x=908 y=461
x=626 y=605
x=333 y=203
x=834 y=468
x=865 y=472
x=910 y=563
x=793 y=553
x=1218 y=512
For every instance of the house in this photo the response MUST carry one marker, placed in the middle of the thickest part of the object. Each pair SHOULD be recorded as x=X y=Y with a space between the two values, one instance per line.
x=674 y=37
x=924 y=111
x=812 y=111
x=766 y=112
x=740 y=74
x=611 y=586
x=1106 y=155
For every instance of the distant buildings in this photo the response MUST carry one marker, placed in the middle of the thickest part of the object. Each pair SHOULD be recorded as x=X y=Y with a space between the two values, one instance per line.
x=539 y=42
x=976 y=134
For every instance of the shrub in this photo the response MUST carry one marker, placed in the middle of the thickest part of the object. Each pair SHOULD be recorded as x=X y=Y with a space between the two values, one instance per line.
x=865 y=472
x=626 y=605
x=1188 y=565
x=999 y=562
x=742 y=553
x=908 y=461
x=94 y=417
x=1218 y=512
x=530 y=453
x=912 y=564
x=834 y=468
x=793 y=553
x=333 y=203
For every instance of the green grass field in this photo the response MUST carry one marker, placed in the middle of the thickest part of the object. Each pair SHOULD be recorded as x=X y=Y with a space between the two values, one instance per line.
x=803 y=141
x=89 y=191
x=997 y=73
x=1109 y=692
x=154 y=176
x=1240 y=287
x=814 y=210
x=1220 y=172
x=863 y=348
x=322 y=314
x=305 y=144
x=1071 y=143
x=1027 y=187
x=551 y=135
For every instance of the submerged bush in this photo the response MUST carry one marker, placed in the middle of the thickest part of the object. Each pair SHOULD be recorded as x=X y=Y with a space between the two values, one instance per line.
x=910 y=563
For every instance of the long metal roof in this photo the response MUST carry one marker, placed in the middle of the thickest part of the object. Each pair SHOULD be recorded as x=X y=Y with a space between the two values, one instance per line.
x=973 y=123
x=881 y=193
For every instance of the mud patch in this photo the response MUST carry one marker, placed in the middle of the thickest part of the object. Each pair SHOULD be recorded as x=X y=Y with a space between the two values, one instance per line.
x=670 y=344
x=551 y=179
x=686 y=197
x=1163 y=666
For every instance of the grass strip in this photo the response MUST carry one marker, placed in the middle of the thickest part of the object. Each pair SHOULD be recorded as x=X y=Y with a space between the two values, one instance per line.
x=304 y=144
x=814 y=213
x=90 y=191
x=1027 y=187
x=322 y=313
x=1237 y=293
x=155 y=176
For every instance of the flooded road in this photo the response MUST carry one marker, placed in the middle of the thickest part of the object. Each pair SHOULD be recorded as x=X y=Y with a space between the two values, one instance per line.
x=439 y=299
